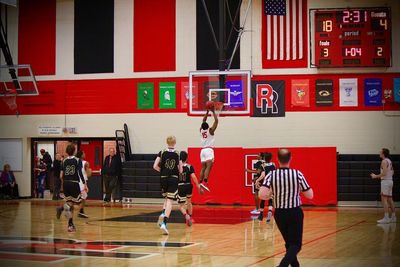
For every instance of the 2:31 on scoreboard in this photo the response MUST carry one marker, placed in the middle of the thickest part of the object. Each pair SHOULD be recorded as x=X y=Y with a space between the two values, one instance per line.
x=355 y=37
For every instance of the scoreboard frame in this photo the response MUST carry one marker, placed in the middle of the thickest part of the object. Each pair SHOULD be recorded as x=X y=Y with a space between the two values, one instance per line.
x=348 y=51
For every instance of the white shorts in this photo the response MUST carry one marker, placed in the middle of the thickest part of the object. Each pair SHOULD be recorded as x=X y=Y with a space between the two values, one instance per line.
x=207 y=154
x=386 y=188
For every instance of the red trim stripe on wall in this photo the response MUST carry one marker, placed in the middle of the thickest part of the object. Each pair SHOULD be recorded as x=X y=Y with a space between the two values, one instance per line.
x=37 y=35
x=154 y=35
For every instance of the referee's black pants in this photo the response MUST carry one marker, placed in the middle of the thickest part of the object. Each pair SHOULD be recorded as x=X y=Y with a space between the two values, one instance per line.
x=290 y=224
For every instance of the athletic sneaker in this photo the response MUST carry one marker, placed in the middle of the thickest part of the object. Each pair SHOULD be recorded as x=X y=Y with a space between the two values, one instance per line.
x=384 y=220
x=393 y=219
x=188 y=220
x=260 y=216
x=269 y=216
x=71 y=228
x=255 y=211
x=83 y=215
x=160 y=219
x=164 y=229
x=59 y=211
x=204 y=186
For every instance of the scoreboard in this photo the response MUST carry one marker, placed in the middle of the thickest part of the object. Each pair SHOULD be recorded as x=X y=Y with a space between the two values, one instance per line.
x=352 y=37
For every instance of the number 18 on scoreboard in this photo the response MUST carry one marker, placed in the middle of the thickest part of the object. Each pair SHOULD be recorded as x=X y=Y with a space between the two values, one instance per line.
x=359 y=37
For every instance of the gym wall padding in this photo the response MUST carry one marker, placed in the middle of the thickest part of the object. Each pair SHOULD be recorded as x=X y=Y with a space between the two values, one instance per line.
x=206 y=51
x=37 y=36
x=111 y=96
x=94 y=36
x=227 y=179
x=154 y=35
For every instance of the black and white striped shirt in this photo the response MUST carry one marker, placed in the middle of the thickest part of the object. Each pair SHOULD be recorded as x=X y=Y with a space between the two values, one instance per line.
x=285 y=185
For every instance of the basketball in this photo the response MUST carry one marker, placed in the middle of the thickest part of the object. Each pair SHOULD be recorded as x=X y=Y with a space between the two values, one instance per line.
x=210 y=105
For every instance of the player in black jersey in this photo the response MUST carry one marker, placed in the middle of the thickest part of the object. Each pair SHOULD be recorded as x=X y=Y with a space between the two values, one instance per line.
x=71 y=176
x=185 y=188
x=257 y=172
x=266 y=167
x=169 y=165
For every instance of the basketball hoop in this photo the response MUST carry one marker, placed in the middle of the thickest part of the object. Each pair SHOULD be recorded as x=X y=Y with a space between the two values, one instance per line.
x=10 y=98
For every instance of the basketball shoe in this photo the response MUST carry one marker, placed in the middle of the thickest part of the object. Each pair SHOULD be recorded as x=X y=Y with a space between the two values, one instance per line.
x=204 y=186
x=188 y=220
x=384 y=220
x=269 y=216
x=71 y=228
x=164 y=229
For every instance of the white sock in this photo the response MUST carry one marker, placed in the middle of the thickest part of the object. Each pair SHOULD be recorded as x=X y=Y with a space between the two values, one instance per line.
x=386 y=215
x=394 y=215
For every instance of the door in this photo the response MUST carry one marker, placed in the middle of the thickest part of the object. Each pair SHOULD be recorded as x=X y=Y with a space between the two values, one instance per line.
x=94 y=155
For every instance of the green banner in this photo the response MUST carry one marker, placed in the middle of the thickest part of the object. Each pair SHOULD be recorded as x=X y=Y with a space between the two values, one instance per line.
x=167 y=95
x=145 y=96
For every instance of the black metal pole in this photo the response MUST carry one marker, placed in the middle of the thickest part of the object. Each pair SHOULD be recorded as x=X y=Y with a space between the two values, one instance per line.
x=221 y=54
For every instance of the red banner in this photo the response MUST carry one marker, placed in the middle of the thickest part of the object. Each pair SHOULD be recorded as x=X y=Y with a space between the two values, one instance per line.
x=230 y=184
x=300 y=93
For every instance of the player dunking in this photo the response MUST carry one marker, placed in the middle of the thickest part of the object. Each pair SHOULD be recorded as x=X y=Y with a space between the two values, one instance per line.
x=71 y=176
x=207 y=152
x=169 y=165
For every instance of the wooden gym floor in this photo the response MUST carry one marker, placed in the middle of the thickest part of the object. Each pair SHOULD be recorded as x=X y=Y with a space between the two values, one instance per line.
x=119 y=235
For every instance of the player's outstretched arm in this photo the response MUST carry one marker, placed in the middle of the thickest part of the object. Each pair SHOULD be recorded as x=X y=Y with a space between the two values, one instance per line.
x=215 y=124
x=206 y=116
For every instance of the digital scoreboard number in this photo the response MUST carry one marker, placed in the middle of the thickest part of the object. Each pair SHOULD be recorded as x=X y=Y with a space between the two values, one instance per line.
x=359 y=37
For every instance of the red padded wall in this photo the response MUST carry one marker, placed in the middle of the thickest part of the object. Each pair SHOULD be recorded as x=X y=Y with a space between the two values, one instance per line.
x=227 y=179
x=120 y=95
x=37 y=35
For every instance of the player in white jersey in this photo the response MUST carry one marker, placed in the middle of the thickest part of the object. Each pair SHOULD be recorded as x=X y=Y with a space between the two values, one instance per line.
x=386 y=176
x=207 y=135
x=87 y=172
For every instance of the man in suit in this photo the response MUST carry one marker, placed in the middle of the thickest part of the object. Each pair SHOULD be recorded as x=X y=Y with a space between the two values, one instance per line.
x=110 y=172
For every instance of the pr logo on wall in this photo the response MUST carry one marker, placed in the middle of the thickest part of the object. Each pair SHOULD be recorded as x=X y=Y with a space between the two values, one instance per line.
x=373 y=92
x=250 y=163
x=268 y=98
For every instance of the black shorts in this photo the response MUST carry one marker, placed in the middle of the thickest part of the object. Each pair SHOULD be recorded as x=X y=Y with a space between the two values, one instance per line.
x=169 y=186
x=184 y=192
x=72 y=191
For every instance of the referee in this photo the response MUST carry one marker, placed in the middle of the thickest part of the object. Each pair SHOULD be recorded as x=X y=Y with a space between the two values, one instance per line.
x=285 y=185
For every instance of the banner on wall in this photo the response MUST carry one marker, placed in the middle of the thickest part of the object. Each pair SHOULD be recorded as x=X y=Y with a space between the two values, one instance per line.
x=373 y=92
x=145 y=95
x=268 y=98
x=396 y=91
x=167 y=95
x=324 y=93
x=185 y=94
x=236 y=93
x=348 y=92
x=300 y=90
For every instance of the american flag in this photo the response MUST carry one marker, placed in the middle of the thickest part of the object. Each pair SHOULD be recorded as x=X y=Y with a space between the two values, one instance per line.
x=284 y=28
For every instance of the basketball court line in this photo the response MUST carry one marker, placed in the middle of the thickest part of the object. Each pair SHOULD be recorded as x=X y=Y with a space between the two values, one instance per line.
x=309 y=242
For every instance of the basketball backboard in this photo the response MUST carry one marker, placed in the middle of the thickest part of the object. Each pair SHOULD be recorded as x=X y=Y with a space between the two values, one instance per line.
x=19 y=79
x=229 y=87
